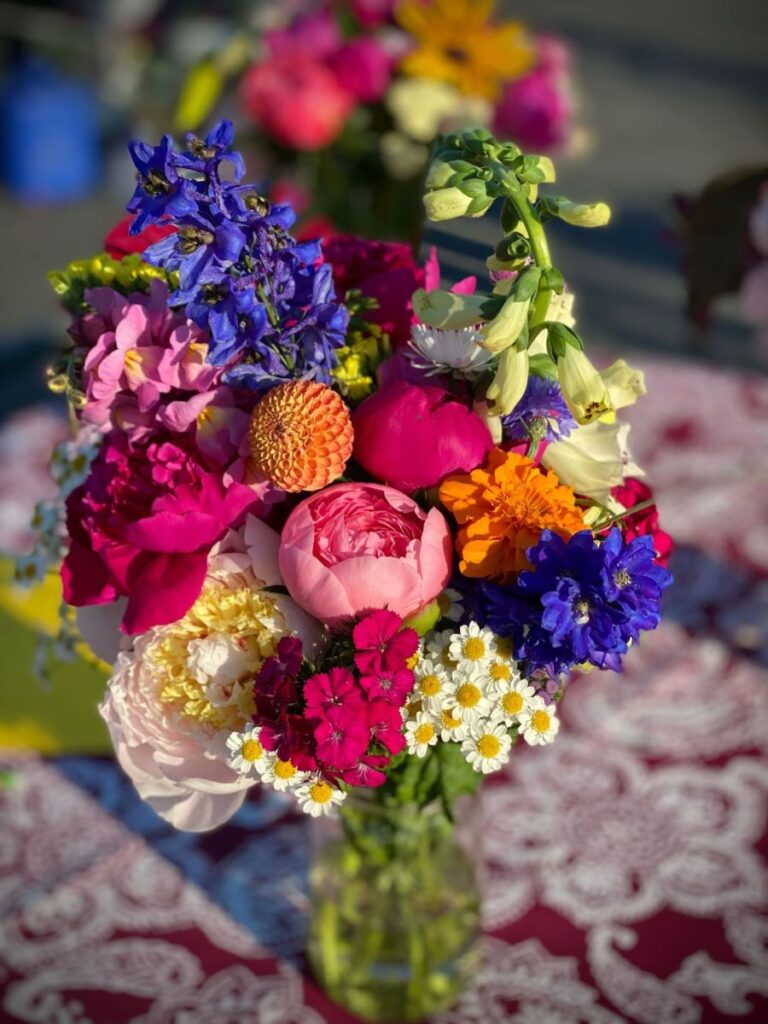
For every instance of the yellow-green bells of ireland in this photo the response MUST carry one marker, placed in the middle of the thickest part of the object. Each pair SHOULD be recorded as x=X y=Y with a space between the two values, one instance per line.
x=439 y=308
x=508 y=386
x=505 y=328
x=583 y=215
x=448 y=203
x=625 y=384
x=584 y=390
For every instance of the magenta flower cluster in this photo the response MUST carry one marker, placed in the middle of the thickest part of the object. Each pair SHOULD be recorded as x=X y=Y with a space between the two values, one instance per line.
x=344 y=722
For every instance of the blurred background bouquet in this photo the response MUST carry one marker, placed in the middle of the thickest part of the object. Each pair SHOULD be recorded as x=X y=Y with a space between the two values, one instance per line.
x=344 y=98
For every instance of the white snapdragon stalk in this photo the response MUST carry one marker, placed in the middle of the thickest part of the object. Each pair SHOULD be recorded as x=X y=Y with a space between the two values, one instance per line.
x=625 y=384
x=584 y=390
x=593 y=459
x=508 y=386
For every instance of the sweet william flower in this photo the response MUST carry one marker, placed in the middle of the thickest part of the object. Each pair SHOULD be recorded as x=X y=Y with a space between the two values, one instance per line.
x=382 y=643
x=335 y=688
x=341 y=737
x=428 y=435
x=645 y=522
x=354 y=547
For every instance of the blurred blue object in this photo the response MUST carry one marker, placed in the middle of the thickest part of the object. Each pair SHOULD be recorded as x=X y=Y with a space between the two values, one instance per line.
x=50 y=145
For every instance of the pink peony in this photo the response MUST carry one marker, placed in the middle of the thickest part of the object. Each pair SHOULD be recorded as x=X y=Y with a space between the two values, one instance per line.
x=535 y=111
x=141 y=526
x=364 y=68
x=300 y=103
x=175 y=757
x=356 y=547
x=413 y=435
x=145 y=364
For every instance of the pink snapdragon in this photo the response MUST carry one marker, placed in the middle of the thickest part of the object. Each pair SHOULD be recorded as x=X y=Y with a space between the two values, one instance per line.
x=145 y=364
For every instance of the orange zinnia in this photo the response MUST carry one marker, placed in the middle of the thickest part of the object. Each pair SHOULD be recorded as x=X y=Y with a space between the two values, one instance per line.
x=300 y=436
x=502 y=508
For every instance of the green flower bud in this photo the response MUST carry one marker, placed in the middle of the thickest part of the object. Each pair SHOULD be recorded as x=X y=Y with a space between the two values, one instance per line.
x=505 y=328
x=582 y=215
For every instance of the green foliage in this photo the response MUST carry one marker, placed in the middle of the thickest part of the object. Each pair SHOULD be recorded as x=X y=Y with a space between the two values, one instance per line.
x=131 y=274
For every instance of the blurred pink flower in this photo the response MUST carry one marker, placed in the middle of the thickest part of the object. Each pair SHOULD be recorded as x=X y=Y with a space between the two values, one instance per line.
x=535 y=111
x=413 y=435
x=363 y=67
x=315 y=35
x=373 y=13
x=356 y=547
x=298 y=101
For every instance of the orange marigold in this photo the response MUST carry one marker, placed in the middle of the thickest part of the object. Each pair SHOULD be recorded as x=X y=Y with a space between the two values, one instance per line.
x=300 y=435
x=502 y=507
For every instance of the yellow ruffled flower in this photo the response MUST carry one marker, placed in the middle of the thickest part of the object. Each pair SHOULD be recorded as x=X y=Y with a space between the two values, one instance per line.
x=456 y=42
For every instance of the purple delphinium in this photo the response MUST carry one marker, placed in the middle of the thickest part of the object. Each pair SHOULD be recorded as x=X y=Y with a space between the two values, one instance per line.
x=541 y=413
x=267 y=300
x=582 y=602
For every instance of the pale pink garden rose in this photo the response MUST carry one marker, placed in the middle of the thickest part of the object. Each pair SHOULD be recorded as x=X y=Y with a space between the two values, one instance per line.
x=354 y=547
x=173 y=700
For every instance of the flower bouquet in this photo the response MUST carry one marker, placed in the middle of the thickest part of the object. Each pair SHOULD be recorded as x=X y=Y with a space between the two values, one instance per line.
x=346 y=96
x=356 y=570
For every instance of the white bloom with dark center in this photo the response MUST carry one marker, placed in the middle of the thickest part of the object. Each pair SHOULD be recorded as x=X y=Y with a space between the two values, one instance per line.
x=439 y=351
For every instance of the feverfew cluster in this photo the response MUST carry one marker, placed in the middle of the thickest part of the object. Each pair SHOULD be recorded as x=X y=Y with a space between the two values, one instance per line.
x=469 y=690
x=329 y=556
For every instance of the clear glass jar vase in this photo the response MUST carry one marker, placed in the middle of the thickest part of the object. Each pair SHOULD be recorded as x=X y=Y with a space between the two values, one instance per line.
x=395 y=906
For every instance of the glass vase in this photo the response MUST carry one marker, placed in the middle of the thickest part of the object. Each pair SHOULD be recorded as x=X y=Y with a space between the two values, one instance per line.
x=395 y=906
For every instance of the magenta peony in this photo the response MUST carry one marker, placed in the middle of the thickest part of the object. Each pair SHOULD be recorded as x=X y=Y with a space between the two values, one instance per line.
x=413 y=435
x=141 y=527
x=300 y=103
x=356 y=547
x=536 y=110
x=364 y=68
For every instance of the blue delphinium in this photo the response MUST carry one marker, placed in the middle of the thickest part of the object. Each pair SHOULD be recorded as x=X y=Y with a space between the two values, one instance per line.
x=583 y=601
x=541 y=413
x=267 y=300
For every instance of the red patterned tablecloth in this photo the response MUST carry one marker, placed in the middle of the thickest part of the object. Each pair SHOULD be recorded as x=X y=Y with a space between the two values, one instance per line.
x=626 y=871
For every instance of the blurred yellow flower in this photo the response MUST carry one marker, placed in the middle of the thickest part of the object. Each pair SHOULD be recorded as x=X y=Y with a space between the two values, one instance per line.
x=456 y=42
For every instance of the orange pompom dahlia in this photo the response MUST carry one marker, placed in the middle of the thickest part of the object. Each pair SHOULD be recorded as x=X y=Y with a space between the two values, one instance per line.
x=300 y=435
x=502 y=508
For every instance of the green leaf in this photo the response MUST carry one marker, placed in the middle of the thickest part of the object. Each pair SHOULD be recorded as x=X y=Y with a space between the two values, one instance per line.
x=558 y=336
x=457 y=777
x=427 y=786
x=542 y=366
x=527 y=284
x=513 y=247
x=553 y=279
x=510 y=218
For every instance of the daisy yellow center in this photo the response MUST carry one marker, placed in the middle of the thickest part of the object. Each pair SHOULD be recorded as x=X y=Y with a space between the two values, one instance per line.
x=500 y=671
x=450 y=721
x=431 y=685
x=252 y=750
x=474 y=648
x=424 y=733
x=488 y=745
x=284 y=769
x=247 y=615
x=540 y=721
x=468 y=695
x=320 y=792
x=512 y=702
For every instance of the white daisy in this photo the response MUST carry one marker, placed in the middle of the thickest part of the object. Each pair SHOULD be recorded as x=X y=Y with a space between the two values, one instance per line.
x=246 y=754
x=510 y=700
x=452 y=726
x=487 y=747
x=431 y=681
x=467 y=694
x=282 y=775
x=318 y=797
x=420 y=734
x=472 y=645
x=501 y=671
x=539 y=723
x=436 y=350
x=450 y=604
x=438 y=648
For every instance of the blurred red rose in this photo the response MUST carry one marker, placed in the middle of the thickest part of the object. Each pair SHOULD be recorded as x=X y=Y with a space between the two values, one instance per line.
x=645 y=522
